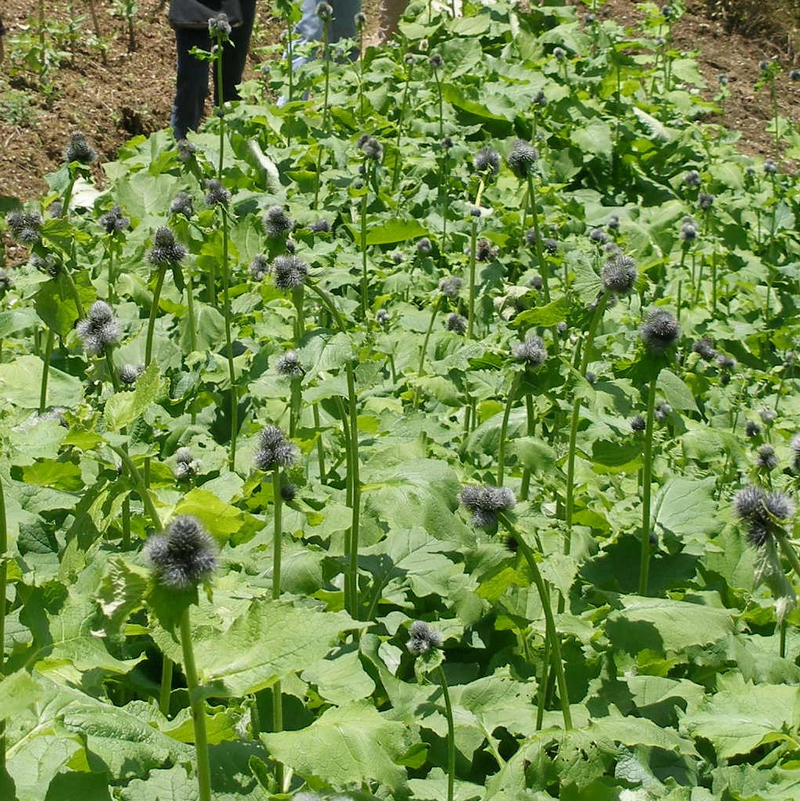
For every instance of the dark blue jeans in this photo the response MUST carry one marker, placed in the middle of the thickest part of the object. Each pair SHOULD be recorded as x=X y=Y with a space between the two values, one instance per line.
x=191 y=88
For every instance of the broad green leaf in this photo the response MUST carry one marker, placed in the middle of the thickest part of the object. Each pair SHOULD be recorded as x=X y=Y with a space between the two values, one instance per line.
x=676 y=393
x=20 y=384
x=123 y=408
x=686 y=508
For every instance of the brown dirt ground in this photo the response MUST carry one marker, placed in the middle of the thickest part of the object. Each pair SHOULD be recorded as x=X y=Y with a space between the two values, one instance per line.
x=131 y=93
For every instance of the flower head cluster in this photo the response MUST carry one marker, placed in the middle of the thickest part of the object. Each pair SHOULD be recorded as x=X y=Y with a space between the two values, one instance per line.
x=451 y=287
x=457 y=324
x=484 y=250
x=660 y=331
x=219 y=26
x=184 y=555
x=100 y=330
x=662 y=411
x=762 y=511
x=766 y=458
x=619 y=275
x=114 y=221
x=277 y=222
x=705 y=201
x=487 y=160
x=129 y=374
x=522 y=159
x=705 y=349
x=613 y=222
x=692 y=178
x=370 y=147
x=424 y=246
x=216 y=193
x=599 y=236
x=274 y=450
x=186 y=465
x=78 y=149
x=289 y=272
x=485 y=502
x=688 y=230
x=25 y=226
x=289 y=364
x=165 y=249
x=532 y=352
x=422 y=638
x=182 y=204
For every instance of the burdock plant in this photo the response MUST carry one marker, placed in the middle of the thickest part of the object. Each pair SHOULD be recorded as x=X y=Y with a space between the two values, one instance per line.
x=166 y=253
x=113 y=222
x=372 y=152
x=180 y=559
x=99 y=333
x=219 y=29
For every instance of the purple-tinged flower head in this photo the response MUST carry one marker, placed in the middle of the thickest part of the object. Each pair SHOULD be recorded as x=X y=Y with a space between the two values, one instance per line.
x=325 y=11
x=277 y=222
x=78 y=149
x=562 y=327
x=409 y=59
x=25 y=227
x=289 y=364
x=397 y=257
x=705 y=349
x=219 y=26
x=6 y=280
x=484 y=251
x=100 y=330
x=551 y=246
x=290 y=246
x=259 y=267
x=688 y=232
x=423 y=639
x=660 y=331
x=320 y=227
x=485 y=502
x=522 y=159
x=692 y=178
x=46 y=264
x=450 y=287
x=165 y=250
x=424 y=246
x=113 y=221
x=560 y=53
x=763 y=512
x=770 y=167
x=613 y=222
x=475 y=211
x=182 y=204
x=184 y=555
x=589 y=19
x=216 y=193
x=370 y=147
x=532 y=352
x=487 y=162
x=752 y=429
x=55 y=209
x=766 y=458
x=705 y=201
x=638 y=423
x=274 y=450
x=619 y=275
x=289 y=272
x=129 y=374
x=436 y=62
x=457 y=324
x=360 y=20
x=382 y=317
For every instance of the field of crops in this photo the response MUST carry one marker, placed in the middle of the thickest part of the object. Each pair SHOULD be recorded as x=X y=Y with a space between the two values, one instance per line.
x=432 y=435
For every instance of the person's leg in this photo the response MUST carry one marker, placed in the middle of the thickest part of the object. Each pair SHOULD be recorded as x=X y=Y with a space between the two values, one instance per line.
x=191 y=86
x=391 y=11
x=344 y=19
x=234 y=56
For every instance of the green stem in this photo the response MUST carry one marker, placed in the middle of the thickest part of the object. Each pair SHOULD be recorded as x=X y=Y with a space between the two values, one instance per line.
x=647 y=485
x=111 y=248
x=112 y=373
x=424 y=350
x=197 y=706
x=526 y=473
x=277 y=726
x=166 y=686
x=327 y=56
x=141 y=488
x=228 y=342
x=151 y=323
x=190 y=310
x=544 y=271
x=320 y=445
x=220 y=105
x=451 y=734
x=355 y=481
x=74 y=291
x=277 y=533
x=473 y=243
x=48 y=352
x=501 y=456
x=289 y=60
x=544 y=680
x=126 y=523
x=549 y=620
x=788 y=551
x=364 y=275
x=3 y=582
x=403 y=107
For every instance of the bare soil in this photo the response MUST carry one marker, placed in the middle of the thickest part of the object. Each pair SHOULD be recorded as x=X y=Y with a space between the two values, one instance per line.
x=113 y=97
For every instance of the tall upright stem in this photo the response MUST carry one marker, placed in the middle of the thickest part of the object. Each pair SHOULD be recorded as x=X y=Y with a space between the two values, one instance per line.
x=647 y=485
x=48 y=352
x=228 y=343
x=363 y=241
x=151 y=323
x=544 y=270
x=277 y=533
x=451 y=734
x=424 y=350
x=501 y=454
x=352 y=577
x=220 y=105
x=473 y=243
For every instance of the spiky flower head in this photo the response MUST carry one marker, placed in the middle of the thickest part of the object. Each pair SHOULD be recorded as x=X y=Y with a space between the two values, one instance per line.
x=457 y=324
x=613 y=222
x=182 y=204
x=289 y=364
x=619 y=275
x=100 y=330
x=436 y=62
x=660 y=331
x=360 y=20
x=219 y=26
x=725 y=362
x=688 y=231
x=113 y=221
x=794 y=75
x=55 y=209
x=551 y=245
x=186 y=150
x=451 y=287
x=795 y=447
x=129 y=373
x=274 y=450
x=371 y=147
x=762 y=511
x=6 y=280
x=599 y=236
x=540 y=98
x=560 y=53
x=289 y=272
x=752 y=429
x=320 y=227
x=532 y=352
x=184 y=555
x=484 y=250
x=424 y=246
x=288 y=491
x=186 y=465
x=705 y=201
x=78 y=149
x=485 y=502
x=692 y=178
x=165 y=250
x=638 y=423
x=522 y=159
x=277 y=222
x=487 y=161
x=770 y=167
x=325 y=11
x=662 y=411
x=25 y=227
x=764 y=65
x=767 y=415
x=705 y=349
x=382 y=316
x=766 y=458
x=259 y=267
x=216 y=193
x=422 y=638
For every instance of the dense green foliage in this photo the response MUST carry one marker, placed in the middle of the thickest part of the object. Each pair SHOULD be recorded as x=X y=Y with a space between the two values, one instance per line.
x=613 y=635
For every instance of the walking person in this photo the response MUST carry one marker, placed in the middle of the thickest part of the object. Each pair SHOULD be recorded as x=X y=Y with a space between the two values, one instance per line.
x=190 y=20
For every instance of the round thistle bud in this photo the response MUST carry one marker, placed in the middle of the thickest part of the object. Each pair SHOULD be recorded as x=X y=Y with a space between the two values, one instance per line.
x=485 y=502
x=705 y=349
x=667 y=10
x=382 y=317
x=705 y=201
x=484 y=251
x=766 y=458
x=165 y=250
x=446 y=143
x=274 y=450
x=795 y=447
x=551 y=246
x=619 y=275
x=522 y=159
x=436 y=62
x=599 y=236
x=770 y=167
x=79 y=150
x=360 y=20
x=129 y=373
x=277 y=222
x=288 y=492
x=325 y=12
x=560 y=53
x=752 y=429
x=692 y=178
x=779 y=506
x=662 y=411
x=289 y=364
x=451 y=287
x=259 y=267
x=183 y=556
x=100 y=330
x=457 y=324
x=6 y=280
x=186 y=150
x=748 y=503
x=55 y=209
x=487 y=161
x=725 y=362
x=424 y=246
x=25 y=227
x=320 y=227
x=536 y=282
x=219 y=26
x=216 y=193
x=613 y=222
x=423 y=639
x=289 y=272
x=182 y=204
x=371 y=148
x=532 y=351
x=540 y=99
x=113 y=221
x=722 y=79
x=794 y=75
x=660 y=331
x=638 y=423
x=688 y=232
x=767 y=415
x=187 y=466
x=764 y=65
